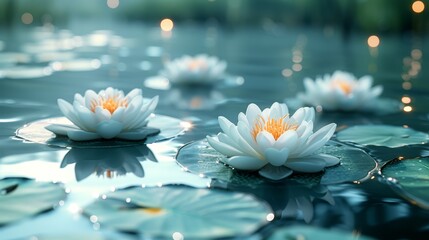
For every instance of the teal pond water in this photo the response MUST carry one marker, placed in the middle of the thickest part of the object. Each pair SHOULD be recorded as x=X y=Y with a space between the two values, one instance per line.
x=383 y=197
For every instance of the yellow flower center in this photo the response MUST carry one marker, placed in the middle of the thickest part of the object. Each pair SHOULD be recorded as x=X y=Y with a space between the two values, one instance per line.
x=110 y=104
x=274 y=126
x=196 y=64
x=343 y=85
x=153 y=211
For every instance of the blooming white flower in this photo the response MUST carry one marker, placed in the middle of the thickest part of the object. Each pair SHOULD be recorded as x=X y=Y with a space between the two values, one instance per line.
x=273 y=142
x=341 y=91
x=108 y=114
x=201 y=69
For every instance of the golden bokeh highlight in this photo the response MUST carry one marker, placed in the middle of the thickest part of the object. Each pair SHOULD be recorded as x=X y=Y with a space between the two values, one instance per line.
x=408 y=109
x=166 y=25
x=113 y=3
x=418 y=6
x=373 y=41
x=406 y=100
x=27 y=18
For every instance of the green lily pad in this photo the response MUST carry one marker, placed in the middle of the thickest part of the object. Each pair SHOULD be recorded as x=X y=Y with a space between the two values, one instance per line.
x=36 y=132
x=410 y=178
x=382 y=135
x=309 y=233
x=179 y=211
x=21 y=198
x=200 y=158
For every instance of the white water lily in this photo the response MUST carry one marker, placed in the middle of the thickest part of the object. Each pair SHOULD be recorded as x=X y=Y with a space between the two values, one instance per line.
x=273 y=142
x=106 y=115
x=340 y=91
x=201 y=69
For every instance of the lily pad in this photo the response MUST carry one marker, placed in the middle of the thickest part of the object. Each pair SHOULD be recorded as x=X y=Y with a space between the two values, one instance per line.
x=17 y=193
x=382 y=135
x=200 y=158
x=410 y=178
x=310 y=232
x=36 y=132
x=179 y=211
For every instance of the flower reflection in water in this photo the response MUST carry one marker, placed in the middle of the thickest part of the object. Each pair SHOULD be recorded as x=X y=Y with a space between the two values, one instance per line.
x=108 y=162
x=301 y=197
x=194 y=98
x=289 y=198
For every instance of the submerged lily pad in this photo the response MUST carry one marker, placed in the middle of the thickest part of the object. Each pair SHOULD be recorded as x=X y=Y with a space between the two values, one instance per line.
x=200 y=158
x=180 y=211
x=36 y=132
x=21 y=198
x=309 y=233
x=382 y=135
x=410 y=178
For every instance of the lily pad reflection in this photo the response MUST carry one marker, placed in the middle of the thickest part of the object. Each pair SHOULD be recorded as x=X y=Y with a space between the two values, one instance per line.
x=180 y=211
x=199 y=158
x=382 y=135
x=109 y=162
x=289 y=198
x=36 y=132
x=21 y=198
x=316 y=233
x=411 y=178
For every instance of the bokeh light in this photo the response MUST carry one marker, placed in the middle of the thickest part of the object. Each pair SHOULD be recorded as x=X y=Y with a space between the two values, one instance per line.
x=166 y=25
x=373 y=41
x=406 y=100
x=113 y=3
x=418 y=6
x=27 y=18
x=408 y=109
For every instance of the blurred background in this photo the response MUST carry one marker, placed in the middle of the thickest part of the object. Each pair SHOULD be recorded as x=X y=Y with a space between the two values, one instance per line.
x=369 y=16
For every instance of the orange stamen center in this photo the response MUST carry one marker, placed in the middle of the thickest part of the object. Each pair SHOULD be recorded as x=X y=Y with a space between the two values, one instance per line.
x=274 y=126
x=196 y=64
x=153 y=211
x=110 y=104
x=344 y=86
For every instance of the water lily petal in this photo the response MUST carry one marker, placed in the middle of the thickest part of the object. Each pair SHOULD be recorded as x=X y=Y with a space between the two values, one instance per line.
x=109 y=129
x=276 y=157
x=80 y=135
x=329 y=159
x=138 y=134
x=135 y=92
x=275 y=173
x=60 y=129
x=265 y=140
x=288 y=139
x=306 y=164
x=224 y=124
x=222 y=147
x=118 y=114
x=90 y=98
x=278 y=110
x=86 y=117
x=318 y=139
x=67 y=109
x=253 y=113
x=246 y=162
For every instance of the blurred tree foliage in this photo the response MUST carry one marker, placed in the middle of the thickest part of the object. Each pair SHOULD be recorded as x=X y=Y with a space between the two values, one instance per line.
x=381 y=16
